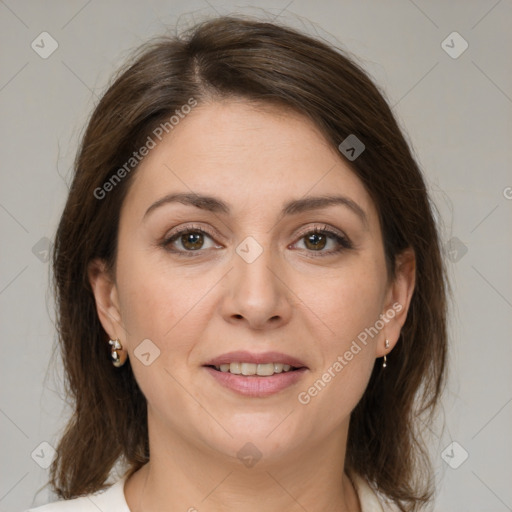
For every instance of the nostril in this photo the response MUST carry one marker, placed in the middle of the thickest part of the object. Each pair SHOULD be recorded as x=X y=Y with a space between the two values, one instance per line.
x=238 y=316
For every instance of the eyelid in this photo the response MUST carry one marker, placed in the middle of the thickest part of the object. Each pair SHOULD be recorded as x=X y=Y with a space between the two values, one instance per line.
x=322 y=228
x=341 y=238
x=174 y=233
x=318 y=227
x=185 y=228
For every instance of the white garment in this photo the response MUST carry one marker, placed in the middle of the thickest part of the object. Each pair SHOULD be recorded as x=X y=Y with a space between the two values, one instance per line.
x=113 y=500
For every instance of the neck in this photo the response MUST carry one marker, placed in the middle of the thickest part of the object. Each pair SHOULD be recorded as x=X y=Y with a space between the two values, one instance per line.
x=187 y=477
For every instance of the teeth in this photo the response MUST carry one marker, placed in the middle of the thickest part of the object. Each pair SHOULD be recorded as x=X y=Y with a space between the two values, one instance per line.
x=235 y=368
x=248 y=368
x=263 y=370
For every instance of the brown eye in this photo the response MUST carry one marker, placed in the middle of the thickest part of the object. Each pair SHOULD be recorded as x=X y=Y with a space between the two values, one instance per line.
x=315 y=241
x=323 y=242
x=192 y=240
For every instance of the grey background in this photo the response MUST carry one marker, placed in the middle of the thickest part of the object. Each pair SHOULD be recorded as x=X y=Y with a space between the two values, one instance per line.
x=457 y=114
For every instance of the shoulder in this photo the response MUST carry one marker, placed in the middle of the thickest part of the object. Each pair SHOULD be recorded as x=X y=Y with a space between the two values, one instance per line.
x=368 y=498
x=111 y=499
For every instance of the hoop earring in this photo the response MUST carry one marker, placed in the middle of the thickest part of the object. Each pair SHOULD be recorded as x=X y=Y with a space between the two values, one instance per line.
x=385 y=360
x=118 y=358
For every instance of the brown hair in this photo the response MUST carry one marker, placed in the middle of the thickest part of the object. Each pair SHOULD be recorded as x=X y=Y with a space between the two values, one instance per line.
x=262 y=62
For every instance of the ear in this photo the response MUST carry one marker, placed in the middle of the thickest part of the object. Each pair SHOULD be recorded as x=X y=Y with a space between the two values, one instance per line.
x=398 y=299
x=105 y=294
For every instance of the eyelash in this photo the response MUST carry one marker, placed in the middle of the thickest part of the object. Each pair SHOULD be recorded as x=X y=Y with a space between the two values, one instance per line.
x=343 y=242
x=182 y=231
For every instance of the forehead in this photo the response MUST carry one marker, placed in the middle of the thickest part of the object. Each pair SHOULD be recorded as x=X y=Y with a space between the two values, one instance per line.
x=247 y=154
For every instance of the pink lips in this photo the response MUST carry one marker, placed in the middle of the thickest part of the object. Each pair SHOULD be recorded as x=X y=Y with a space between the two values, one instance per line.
x=255 y=385
x=249 y=357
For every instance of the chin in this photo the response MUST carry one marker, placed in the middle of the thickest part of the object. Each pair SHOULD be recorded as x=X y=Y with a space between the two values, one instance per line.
x=258 y=436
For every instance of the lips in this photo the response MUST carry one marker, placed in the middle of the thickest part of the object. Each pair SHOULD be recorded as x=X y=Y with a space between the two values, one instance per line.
x=266 y=381
x=250 y=357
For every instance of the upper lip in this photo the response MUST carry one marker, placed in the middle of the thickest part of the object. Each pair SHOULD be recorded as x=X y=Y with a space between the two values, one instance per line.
x=250 y=357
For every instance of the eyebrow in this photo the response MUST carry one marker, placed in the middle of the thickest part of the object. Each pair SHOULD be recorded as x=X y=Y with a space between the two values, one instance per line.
x=208 y=203
x=316 y=203
x=293 y=207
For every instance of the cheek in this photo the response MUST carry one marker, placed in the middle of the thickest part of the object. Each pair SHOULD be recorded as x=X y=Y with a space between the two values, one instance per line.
x=346 y=301
x=334 y=394
x=155 y=298
x=167 y=309
x=350 y=305
x=347 y=352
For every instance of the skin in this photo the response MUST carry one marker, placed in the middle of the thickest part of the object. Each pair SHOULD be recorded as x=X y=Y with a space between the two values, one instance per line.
x=291 y=299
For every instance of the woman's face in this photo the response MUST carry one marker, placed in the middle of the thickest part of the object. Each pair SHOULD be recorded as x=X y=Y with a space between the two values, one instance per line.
x=245 y=238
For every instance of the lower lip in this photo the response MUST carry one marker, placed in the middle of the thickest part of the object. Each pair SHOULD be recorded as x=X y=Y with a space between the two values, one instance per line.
x=254 y=385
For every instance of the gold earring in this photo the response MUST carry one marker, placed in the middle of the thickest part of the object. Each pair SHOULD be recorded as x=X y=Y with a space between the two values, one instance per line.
x=385 y=361
x=118 y=358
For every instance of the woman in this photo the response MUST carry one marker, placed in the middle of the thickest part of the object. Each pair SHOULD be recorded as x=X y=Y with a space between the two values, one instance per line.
x=252 y=308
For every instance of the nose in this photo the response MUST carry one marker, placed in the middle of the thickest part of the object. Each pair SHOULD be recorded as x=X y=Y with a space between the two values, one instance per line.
x=257 y=295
